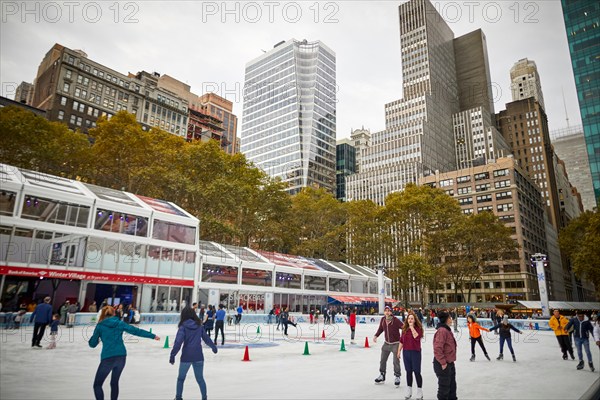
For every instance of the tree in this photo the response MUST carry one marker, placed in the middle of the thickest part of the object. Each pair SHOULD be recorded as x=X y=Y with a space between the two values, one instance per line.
x=416 y=219
x=365 y=229
x=580 y=241
x=316 y=227
x=474 y=242
x=32 y=142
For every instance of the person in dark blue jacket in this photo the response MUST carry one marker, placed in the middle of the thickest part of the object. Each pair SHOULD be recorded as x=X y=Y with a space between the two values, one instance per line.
x=110 y=331
x=582 y=330
x=504 y=328
x=41 y=316
x=190 y=335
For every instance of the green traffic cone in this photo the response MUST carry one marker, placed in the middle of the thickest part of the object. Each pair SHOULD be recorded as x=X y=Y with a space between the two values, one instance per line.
x=306 y=353
x=258 y=329
x=343 y=348
x=166 y=346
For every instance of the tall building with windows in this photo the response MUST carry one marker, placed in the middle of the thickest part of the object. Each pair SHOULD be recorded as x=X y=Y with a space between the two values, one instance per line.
x=360 y=140
x=24 y=93
x=418 y=137
x=222 y=109
x=525 y=81
x=288 y=123
x=345 y=166
x=582 y=22
x=569 y=145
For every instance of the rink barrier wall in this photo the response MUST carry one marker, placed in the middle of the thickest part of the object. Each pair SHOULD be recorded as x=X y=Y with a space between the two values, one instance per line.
x=84 y=318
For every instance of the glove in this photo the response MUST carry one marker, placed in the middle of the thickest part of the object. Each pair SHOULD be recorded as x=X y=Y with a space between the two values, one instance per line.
x=172 y=360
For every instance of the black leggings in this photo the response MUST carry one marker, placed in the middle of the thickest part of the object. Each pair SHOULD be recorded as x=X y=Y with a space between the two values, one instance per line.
x=219 y=327
x=480 y=341
x=114 y=364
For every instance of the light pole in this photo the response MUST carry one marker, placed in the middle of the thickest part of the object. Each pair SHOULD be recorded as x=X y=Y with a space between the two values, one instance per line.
x=380 y=270
x=540 y=262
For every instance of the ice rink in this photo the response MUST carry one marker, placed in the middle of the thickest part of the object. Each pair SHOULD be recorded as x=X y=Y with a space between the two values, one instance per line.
x=279 y=370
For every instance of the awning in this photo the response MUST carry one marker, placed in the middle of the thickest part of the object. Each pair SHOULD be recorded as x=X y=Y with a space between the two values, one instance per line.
x=357 y=300
x=561 y=305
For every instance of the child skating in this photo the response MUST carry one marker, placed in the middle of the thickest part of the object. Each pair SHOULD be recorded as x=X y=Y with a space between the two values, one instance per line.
x=54 y=331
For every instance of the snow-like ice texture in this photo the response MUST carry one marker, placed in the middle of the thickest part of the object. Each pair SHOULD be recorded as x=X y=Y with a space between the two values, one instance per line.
x=278 y=369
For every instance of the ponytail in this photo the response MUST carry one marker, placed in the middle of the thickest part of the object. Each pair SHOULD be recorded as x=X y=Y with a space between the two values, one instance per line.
x=106 y=312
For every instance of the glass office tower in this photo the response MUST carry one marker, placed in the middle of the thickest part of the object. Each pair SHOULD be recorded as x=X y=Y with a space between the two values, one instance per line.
x=288 y=123
x=582 y=20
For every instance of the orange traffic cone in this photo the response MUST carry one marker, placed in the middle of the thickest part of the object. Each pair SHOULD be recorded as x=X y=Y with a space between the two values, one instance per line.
x=246 y=355
x=367 y=342
x=323 y=335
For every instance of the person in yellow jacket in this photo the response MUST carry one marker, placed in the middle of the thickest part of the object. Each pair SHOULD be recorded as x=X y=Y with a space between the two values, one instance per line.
x=558 y=323
x=475 y=335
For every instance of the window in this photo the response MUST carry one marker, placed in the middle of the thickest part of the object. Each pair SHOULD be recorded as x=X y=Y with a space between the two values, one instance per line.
x=68 y=74
x=66 y=87
x=502 y=184
x=464 y=190
x=256 y=277
x=63 y=101
x=501 y=172
x=219 y=274
x=447 y=182
x=463 y=179
x=504 y=207
x=484 y=198
x=503 y=195
x=484 y=208
x=173 y=232
x=481 y=176
x=483 y=187
x=53 y=211
x=61 y=115
x=465 y=200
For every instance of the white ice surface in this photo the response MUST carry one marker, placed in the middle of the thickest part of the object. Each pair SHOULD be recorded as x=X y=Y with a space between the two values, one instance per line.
x=282 y=371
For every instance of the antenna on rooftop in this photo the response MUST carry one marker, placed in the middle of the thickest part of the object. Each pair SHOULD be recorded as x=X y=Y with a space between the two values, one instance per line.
x=565 y=104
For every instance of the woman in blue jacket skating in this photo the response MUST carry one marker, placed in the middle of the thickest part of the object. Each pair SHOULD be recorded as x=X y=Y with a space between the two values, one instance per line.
x=110 y=331
x=191 y=333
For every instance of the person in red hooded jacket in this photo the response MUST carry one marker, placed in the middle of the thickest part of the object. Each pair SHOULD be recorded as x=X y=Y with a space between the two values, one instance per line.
x=352 y=323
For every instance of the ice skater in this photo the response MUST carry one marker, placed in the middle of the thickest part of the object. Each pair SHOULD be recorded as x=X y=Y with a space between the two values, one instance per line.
x=558 y=323
x=410 y=346
x=110 y=330
x=285 y=320
x=582 y=330
x=475 y=336
x=220 y=324
x=352 y=323
x=190 y=335
x=54 y=331
x=444 y=357
x=504 y=328
x=209 y=319
x=41 y=316
x=392 y=327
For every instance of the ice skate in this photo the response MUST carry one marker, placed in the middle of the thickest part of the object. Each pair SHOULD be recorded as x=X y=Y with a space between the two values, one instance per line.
x=500 y=357
x=592 y=367
x=565 y=357
x=419 y=394
x=580 y=365
x=514 y=358
x=408 y=393
x=572 y=356
x=472 y=358
x=380 y=379
x=397 y=381
x=488 y=357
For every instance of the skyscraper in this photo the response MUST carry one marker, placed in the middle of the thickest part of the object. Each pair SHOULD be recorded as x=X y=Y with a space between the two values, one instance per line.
x=418 y=136
x=345 y=166
x=582 y=20
x=288 y=123
x=525 y=81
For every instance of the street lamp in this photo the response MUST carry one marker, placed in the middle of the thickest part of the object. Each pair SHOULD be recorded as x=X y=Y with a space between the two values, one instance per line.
x=540 y=261
x=380 y=271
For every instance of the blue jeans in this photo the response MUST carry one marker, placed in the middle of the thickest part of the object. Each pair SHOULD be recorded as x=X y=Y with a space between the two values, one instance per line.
x=114 y=364
x=508 y=342
x=198 y=372
x=586 y=343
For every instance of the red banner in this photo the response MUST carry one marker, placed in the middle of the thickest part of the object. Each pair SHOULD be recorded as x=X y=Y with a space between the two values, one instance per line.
x=92 y=276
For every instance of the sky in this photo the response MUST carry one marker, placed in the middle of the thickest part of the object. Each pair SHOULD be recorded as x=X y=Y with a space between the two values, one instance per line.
x=208 y=43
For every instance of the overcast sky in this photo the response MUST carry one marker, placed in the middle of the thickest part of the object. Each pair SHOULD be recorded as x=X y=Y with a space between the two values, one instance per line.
x=207 y=44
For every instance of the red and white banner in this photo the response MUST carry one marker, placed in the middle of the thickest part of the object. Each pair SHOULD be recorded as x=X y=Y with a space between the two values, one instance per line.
x=91 y=276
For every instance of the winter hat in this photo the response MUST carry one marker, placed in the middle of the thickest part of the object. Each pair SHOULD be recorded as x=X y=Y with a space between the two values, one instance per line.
x=387 y=308
x=505 y=319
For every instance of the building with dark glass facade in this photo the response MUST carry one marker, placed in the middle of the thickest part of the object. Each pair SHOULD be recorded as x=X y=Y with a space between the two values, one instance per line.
x=345 y=165
x=582 y=18
x=288 y=123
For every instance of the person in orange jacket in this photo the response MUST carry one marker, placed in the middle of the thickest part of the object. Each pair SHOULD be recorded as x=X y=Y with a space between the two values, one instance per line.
x=475 y=335
x=558 y=323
